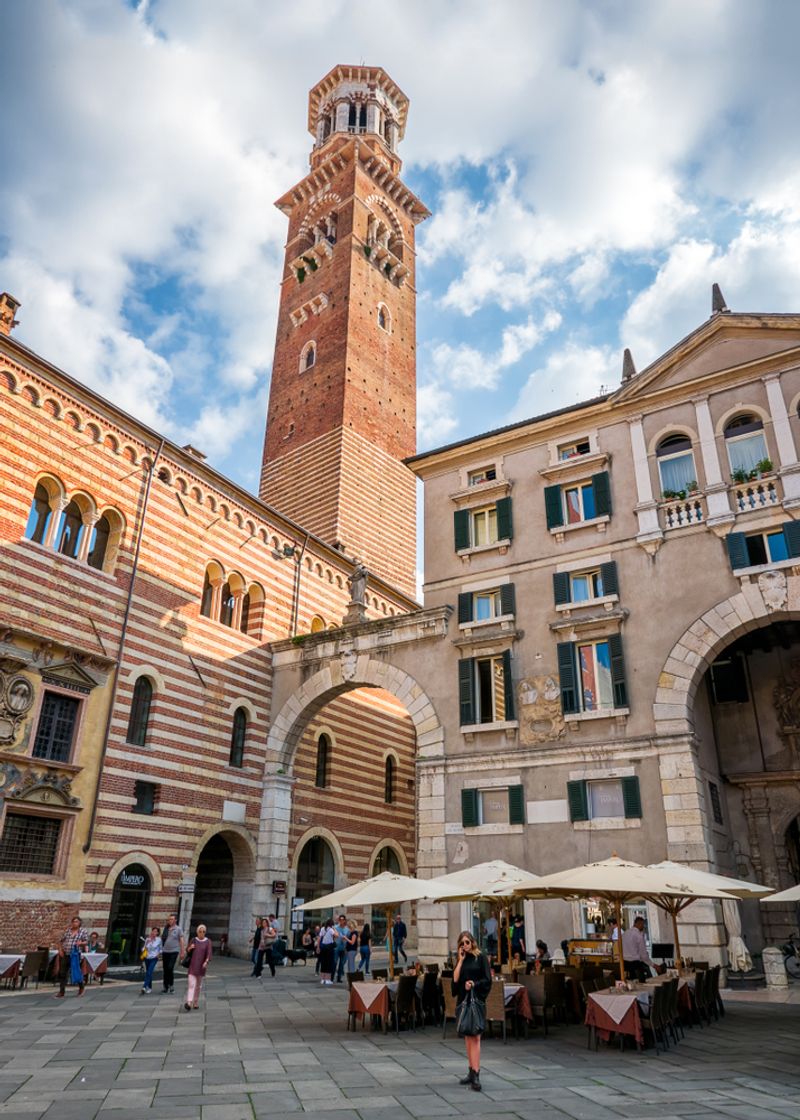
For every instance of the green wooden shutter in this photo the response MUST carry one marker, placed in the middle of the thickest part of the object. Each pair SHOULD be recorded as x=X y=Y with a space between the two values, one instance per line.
x=578 y=800
x=466 y=691
x=791 y=531
x=465 y=607
x=618 y=671
x=568 y=677
x=505 y=522
x=516 y=805
x=553 y=506
x=631 y=797
x=561 y=588
x=508 y=600
x=608 y=574
x=737 y=550
x=601 y=484
x=469 y=808
x=508 y=686
x=461 y=528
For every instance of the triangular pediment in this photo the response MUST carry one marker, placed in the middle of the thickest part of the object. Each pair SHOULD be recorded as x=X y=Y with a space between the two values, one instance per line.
x=69 y=674
x=727 y=343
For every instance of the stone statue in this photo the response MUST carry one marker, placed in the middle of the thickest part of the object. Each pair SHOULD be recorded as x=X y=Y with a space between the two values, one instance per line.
x=357 y=583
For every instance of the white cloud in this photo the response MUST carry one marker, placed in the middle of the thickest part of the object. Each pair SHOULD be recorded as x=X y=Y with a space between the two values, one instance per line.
x=468 y=368
x=572 y=373
x=436 y=419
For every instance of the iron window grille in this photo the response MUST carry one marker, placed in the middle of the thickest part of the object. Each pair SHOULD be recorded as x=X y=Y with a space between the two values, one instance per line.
x=56 y=729
x=29 y=844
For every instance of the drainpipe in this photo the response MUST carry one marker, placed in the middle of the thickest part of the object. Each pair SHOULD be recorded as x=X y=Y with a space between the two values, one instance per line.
x=296 y=590
x=121 y=648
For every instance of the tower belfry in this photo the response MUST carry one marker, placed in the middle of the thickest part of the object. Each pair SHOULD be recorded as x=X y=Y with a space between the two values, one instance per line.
x=342 y=404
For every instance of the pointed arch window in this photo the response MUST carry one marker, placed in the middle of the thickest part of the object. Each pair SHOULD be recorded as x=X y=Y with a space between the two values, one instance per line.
x=70 y=531
x=308 y=356
x=384 y=318
x=238 y=736
x=388 y=780
x=140 y=712
x=322 y=778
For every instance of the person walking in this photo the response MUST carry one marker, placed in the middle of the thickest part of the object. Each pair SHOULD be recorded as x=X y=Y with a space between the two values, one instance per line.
x=73 y=942
x=174 y=946
x=518 y=951
x=365 y=946
x=490 y=929
x=200 y=950
x=472 y=974
x=317 y=935
x=255 y=939
x=269 y=935
x=152 y=951
x=399 y=935
x=352 y=946
x=327 y=948
x=342 y=932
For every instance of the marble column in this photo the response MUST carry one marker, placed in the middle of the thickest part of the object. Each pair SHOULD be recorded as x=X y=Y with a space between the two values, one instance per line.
x=716 y=488
x=650 y=533
x=788 y=466
x=272 y=861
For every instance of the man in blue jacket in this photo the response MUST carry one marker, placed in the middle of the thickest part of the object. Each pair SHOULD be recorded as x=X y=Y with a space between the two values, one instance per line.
x=399 y=935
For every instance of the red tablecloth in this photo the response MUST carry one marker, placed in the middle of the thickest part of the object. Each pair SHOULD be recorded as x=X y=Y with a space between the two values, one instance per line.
x=517 y=995
x=605 y=1023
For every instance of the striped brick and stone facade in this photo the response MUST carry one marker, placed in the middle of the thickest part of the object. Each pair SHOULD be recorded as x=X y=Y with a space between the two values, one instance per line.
x=141 y=594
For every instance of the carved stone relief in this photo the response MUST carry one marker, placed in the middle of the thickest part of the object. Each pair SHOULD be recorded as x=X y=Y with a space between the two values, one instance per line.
x=16 y=700
x=38 y=786
x=773 y=588
x=541 y=719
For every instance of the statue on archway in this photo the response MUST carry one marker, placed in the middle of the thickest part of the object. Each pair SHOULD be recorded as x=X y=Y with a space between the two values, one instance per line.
x=357 y=582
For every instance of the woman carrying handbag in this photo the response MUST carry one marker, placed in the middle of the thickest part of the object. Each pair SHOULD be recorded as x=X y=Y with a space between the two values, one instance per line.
x=199 y=953
x=472 y=982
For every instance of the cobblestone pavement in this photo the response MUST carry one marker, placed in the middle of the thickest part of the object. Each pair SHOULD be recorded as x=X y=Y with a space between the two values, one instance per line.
x=279 y=1048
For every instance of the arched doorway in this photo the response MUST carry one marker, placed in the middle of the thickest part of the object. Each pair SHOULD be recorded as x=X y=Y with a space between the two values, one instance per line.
x=128 y=915
x=214 y=888
x=386 y=860
x=315 y=874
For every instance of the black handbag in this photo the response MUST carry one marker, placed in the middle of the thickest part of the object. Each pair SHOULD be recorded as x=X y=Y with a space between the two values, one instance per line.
x=187 y=960
x=471 y=1016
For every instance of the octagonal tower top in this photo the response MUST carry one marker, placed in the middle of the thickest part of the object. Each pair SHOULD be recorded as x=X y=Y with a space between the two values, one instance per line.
x=357 y=101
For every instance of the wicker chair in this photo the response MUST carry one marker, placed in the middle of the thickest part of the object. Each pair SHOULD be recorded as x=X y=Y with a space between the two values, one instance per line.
x=405 y=1003
x=496 y=1010
x=449 y=1006
x=431 y=998
x=353 y=978
x=380 y=974
x=34 y=966
x=656 y=1021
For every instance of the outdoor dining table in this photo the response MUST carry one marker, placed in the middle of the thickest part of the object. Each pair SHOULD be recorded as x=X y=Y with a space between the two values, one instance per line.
x=95 y=964
x=517 y=996
x=369 y=997
x=10 y=964
x=616 y=1012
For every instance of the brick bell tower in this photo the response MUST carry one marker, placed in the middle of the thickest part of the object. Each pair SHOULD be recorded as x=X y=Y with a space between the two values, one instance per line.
x=342 y=404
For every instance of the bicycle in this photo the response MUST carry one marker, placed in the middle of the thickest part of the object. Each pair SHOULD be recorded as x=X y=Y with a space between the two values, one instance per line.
x=791 y=958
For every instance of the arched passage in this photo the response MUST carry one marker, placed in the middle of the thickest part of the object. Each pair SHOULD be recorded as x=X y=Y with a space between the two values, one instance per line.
x=224 y=869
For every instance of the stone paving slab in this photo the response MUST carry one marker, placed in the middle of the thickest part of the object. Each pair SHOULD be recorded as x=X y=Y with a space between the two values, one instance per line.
x=280 y=1049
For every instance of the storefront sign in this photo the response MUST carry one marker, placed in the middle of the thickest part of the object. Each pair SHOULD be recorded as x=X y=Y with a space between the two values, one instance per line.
x=131 y=879
x=279 y=886
x=185 y=888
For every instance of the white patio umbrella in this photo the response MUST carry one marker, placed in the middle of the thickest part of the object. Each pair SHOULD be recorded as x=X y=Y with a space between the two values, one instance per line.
x=387 y=890
x=738 y=888
x=617 y=880
x=495 y=881
x=791 y=894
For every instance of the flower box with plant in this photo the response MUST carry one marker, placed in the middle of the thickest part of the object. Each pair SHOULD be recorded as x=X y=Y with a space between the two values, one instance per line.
x=763 y=467
x=692 y=486
x=740 y=475
x=667 y=495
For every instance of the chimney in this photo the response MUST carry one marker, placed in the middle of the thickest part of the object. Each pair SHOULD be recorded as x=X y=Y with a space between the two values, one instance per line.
x=628 y=367
x=195 y=454
x=8 y=309
x=718 y=304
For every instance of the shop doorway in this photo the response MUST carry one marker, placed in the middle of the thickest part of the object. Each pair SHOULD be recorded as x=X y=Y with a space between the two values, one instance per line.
x=129 y=904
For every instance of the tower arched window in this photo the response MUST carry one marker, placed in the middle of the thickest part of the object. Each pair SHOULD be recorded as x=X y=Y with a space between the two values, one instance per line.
x=244 y=621
x=140 y=712
x=70 y=531
x=388 y=780
x=98 y=543
x=323 y=774
x=39 y=516
x=226 y=605
x=238 y=736
x=317 y=624
x=207 y=601
x=308 y=356
x=676 y=467
x=747 y=448
x=384 y=318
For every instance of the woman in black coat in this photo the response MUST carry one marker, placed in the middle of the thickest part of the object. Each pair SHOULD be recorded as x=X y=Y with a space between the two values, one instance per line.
x=471 y=974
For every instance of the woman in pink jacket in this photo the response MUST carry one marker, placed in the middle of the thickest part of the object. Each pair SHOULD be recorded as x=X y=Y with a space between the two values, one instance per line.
x=200 y=949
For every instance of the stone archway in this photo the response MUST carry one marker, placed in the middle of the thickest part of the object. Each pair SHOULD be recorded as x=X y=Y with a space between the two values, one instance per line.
x=226 y=853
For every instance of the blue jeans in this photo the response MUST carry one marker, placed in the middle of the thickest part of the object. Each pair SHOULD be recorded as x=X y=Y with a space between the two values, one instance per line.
x=339 y=961
x=149 y=969
x=399 y=950
x=363 y=963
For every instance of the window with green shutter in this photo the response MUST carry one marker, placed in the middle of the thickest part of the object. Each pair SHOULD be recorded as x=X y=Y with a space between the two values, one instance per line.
x=618 y=682
x=791 y=531
x=469 y=808
x=465 y=607
x=601 y=485
x=578 y=801
x=508 y=604
x=505 y=521
x=516 y=805
x=631 y=797
x=561 y=588
x=508 y=691
x=461 y=529
x=466 y=691
x=553 y=507
x=609 y=579
x=567 y=677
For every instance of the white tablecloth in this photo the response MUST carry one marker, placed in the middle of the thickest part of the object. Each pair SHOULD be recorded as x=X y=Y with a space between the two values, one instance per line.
x=369 y=992
x=94 y=960
x=8 y=960
x=616 y=1005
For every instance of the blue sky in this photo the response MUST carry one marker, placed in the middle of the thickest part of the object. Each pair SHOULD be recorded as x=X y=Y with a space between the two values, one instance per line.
x=592 y=169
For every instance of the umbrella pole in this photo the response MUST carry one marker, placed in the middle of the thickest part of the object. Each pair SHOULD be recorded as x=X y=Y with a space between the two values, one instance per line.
x=389 y=940
x=618 y=907
x=674 y=914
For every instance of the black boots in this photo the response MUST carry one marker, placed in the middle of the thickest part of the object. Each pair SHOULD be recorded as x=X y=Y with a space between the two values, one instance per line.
x=473 y=1079
x=468 y=1079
